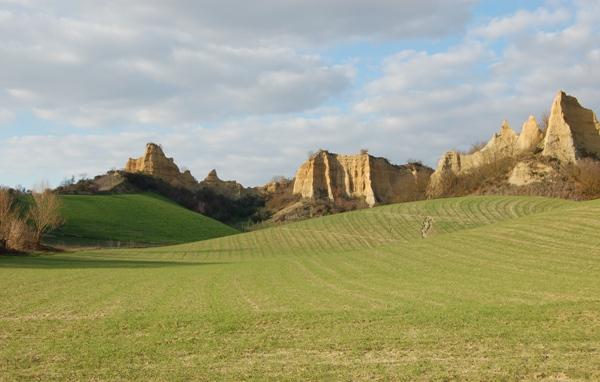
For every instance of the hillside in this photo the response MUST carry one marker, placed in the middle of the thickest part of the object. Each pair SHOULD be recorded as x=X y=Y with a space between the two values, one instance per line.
x=502 y=288
x=131 y=220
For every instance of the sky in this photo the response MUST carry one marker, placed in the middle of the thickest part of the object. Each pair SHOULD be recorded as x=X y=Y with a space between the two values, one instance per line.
x=251 y=88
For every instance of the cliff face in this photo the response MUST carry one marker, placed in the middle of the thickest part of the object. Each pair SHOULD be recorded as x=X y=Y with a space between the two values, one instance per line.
x=573 y=131
x=335 y=177
x=154 y=162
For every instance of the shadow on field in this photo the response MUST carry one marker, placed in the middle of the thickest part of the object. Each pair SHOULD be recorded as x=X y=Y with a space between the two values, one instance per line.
x=52 y=262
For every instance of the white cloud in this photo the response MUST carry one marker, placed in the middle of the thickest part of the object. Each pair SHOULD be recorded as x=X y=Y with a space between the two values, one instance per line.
x=111 y=63
x=521 y=21
x=273 y=20
x=244 y=77
x=6 y=116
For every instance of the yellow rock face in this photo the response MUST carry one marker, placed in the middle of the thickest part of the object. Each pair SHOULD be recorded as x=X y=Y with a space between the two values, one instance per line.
x=331 y=176
x=573 y=131
x=155 y=163
x=531 y=136
x=525 y=173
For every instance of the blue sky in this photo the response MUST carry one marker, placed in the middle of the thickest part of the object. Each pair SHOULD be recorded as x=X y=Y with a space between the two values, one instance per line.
x=85 y=84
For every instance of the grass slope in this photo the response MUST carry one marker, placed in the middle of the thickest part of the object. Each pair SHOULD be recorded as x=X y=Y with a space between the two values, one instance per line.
x=506 y=288
x=132 y=219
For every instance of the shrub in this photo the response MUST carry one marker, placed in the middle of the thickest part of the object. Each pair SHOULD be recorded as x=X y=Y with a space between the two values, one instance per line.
x=475 y=147
x=483 y=179
x=587 y=176
x=20 y=235
x=44 y=214
x=415 y=162
x=22 y=224
x=544 y=121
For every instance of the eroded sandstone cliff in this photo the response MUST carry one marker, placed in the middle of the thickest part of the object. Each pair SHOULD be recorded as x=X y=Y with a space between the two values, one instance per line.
x=573 y=131
x=154 y=162
x=505 y=143
x=335 y=177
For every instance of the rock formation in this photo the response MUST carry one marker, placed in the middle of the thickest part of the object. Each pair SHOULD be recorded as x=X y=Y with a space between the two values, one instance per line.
x=154 y=162
x=336 y=177
x=506 y=143
x=531 y=136
x=573 y=131
x=229 y=188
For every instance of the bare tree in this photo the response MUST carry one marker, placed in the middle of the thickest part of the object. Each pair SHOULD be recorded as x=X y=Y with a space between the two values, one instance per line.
x=44 y=214
x=20 y=235
x=544 y=121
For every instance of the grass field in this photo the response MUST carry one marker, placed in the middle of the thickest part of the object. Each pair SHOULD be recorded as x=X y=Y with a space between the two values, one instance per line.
x=504 y=288
x=131 y=220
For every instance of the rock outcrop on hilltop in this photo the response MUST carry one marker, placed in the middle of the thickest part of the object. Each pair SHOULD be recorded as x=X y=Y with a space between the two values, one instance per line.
x=228 y=188
x=154 y=162
x=573 y=131
x=334 y=177
x=506 y=143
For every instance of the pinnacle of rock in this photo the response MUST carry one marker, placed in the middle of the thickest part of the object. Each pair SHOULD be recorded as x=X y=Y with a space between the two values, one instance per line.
x=530 y=136
x=573 y=131
x=212 y=176
x=154 y=162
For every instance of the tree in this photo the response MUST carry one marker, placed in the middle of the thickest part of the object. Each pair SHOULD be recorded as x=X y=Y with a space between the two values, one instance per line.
x=44 y=214
x=20 y=235
x=6 y=215
x=545 y=121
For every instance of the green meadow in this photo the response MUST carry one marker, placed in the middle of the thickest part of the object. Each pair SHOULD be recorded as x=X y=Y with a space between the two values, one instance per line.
x=501 y=288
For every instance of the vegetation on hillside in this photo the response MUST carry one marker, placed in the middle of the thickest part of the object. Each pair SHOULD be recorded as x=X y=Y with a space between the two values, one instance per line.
x=131 y=220
x=228 y=210
x=579 y=181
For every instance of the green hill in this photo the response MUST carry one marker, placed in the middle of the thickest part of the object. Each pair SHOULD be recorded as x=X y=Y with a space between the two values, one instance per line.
x=502 y=288
x=131 y=220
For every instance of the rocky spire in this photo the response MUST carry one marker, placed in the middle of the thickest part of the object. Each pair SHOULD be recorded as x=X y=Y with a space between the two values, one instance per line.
x=154 y=162
x=212 y=176
x=573 y=131
x=530 y=136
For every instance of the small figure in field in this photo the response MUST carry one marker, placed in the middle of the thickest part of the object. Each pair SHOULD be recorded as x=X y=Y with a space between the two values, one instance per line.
x=426 y=226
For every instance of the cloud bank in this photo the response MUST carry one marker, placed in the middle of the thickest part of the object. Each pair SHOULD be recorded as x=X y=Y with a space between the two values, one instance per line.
x=250 y=91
